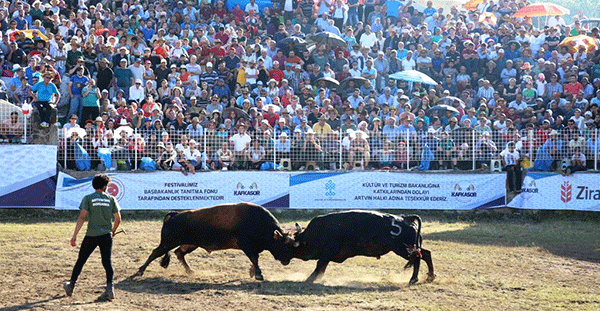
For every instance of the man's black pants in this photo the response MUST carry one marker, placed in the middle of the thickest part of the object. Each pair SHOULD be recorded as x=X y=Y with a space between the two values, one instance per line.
x=88 y=246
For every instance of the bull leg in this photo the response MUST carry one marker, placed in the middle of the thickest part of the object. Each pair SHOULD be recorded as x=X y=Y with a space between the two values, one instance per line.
x=319 y=270
x=417 y=263
x=254 y=269
x=180 y=253
x=157 y=252
x=427 y=258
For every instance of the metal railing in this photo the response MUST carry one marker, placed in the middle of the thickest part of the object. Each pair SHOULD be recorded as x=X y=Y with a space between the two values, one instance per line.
x=304 y=149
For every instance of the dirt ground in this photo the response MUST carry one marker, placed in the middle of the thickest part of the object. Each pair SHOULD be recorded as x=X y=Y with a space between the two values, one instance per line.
x=479 y=266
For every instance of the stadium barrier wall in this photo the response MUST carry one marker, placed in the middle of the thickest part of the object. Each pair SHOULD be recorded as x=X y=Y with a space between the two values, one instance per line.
x=28 y=177
x=365 y=190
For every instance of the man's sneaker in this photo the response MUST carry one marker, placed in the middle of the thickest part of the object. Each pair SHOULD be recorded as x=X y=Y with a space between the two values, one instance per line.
x=68 y=288
x=108 y=295
x=184 y=172
x=44 y=124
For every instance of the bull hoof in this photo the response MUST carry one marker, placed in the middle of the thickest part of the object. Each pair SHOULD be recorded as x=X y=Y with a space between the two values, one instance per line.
x=259 y=277
x=430 y=277
x=413 y=281
x=252 y=271
x=189 y=272
x=139 y=273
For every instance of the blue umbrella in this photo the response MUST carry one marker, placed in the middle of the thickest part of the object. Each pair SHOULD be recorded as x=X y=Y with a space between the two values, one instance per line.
x=413 y=76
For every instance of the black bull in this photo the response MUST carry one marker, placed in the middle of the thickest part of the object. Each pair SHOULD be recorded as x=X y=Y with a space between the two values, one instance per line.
x=245 y=226
x=339 y=236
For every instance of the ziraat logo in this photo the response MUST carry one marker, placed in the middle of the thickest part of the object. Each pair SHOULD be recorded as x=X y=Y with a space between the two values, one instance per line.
x=565 y=192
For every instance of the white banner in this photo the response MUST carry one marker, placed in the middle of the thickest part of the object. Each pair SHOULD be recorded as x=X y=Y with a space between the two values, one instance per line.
x=172 y=190
x=382 y=190
x=556 y=192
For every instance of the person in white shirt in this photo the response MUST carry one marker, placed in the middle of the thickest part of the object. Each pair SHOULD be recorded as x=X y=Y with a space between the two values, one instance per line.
x=136 y=92
x=137 y=69
x=241 y=143
x=408 y=63
x=511 y=164
x=368 y=38
x=556 y=21
x=251 y=6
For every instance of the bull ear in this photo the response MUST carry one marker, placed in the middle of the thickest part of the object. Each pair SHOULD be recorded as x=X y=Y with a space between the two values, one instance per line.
x=296 y=243
x=277 y=235
x=298 y=227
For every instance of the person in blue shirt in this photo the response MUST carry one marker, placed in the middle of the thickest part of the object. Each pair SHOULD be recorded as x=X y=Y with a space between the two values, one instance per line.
x=429 y=10
x=76 y=85
x=45 y=96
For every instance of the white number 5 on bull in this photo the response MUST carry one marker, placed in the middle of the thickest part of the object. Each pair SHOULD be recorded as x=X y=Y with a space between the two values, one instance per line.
x=395 y=224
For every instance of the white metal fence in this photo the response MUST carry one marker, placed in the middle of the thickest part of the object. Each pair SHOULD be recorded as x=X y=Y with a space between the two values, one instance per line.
x=15 y=123
x=304 y=149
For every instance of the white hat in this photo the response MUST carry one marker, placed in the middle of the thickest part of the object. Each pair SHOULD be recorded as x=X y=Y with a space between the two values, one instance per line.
x=209 y=64
x=283 y=134
x=192 y=141
x=265 y=122
x=138 y=81
x=310 y=131
x=431 y=130
x=554 y=132
x=281 y=120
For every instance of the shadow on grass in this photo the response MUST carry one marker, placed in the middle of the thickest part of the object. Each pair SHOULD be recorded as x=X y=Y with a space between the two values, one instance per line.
x=578 y=240
x=32 y=305
x=162 y=286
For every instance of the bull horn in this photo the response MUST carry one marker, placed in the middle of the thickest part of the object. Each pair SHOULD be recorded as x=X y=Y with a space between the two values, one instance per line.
x=277 y=235
x=298 y=227
x=296 y=244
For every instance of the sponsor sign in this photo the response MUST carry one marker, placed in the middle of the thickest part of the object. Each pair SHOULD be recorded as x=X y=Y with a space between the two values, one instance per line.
x=557 y=192
x=396 y=190
x=169 y=190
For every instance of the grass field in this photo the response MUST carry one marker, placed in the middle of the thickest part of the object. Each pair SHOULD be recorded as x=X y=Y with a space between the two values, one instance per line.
x=481 y=264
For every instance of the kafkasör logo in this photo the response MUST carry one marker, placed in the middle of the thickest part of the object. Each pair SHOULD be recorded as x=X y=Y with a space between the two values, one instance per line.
x=464 y=192
x=566 y=192
x=246 y=189
x=116 y=188
x=529 y=187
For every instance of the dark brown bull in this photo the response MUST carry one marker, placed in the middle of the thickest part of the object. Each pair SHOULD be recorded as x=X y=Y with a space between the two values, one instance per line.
x=245 y=226
x=339 y=236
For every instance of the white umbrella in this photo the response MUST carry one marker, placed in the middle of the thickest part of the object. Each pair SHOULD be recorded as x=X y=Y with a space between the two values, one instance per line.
x=413 y=76
x=125 y=129
x=276 y=108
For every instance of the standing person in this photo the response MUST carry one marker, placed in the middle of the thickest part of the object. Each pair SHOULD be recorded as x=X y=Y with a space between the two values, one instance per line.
x=46 y=96
x=99 y=208
x=511 y=164
x=76 y=85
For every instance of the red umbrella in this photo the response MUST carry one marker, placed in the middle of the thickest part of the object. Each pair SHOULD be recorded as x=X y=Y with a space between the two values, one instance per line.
x=541 y=9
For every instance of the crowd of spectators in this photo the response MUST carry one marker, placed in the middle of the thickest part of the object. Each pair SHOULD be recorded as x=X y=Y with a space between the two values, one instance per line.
x=182 y=74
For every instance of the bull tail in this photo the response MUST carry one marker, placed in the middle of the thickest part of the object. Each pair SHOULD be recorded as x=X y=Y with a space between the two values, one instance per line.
x=416 y=253
x=164 y=262
x=417 y=218
x=169 y=215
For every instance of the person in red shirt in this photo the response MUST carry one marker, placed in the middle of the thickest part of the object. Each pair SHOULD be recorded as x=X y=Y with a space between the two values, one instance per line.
x=271 y=116
x=218 y=51
x=573 y=87
x=276 y=73
x=222 y=35
x=160 y=48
